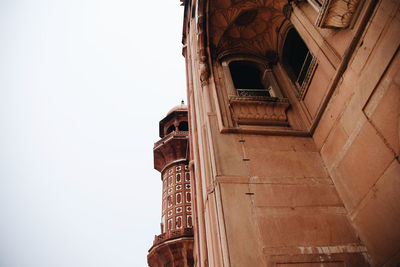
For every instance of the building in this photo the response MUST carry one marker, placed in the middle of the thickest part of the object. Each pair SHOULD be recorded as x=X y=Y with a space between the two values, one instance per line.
x=294 y=128
x=294 y=117
x=174 y=246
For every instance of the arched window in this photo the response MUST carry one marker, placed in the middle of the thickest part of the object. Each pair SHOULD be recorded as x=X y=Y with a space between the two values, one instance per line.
x=253 y=94
x=247 y=79
x=183 y=126
x=297 y=59
x=171 y=129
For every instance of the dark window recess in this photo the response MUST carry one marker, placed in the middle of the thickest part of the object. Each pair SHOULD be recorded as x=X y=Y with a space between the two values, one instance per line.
x=319 y=2
x=247 y=79
x=296 y=57
x=183 y=126
x=245 y=76
x=171 y=129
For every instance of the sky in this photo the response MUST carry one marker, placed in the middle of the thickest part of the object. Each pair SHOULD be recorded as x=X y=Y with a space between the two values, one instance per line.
x=83 y=85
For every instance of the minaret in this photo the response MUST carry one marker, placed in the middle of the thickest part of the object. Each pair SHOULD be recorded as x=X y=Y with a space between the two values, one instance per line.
x=174 y=246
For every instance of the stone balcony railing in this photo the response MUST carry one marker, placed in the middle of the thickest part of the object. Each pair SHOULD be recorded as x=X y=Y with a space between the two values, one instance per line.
x=259 y=110
x=184 y=232
x=171 y=135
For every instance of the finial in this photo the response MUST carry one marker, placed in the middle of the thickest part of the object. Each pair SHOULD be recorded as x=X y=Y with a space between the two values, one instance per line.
x=182 y=102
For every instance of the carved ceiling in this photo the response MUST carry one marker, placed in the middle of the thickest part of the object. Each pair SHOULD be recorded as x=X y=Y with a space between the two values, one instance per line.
x=244 y=26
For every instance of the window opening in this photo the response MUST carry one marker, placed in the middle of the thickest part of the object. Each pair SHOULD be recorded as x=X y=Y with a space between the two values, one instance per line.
x=297 y=59
x=171 y=129
x=247 y=79
x=183 y=126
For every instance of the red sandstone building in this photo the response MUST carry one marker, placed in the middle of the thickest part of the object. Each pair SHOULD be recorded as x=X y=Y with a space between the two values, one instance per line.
x=294 y=115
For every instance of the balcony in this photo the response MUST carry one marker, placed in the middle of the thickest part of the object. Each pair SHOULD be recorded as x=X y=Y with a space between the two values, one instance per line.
x=172 y=147
x=170 y=136
x=184 y=232
x=259 y=110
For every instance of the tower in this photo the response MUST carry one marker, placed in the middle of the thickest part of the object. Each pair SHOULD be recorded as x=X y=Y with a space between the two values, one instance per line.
x=174 y=246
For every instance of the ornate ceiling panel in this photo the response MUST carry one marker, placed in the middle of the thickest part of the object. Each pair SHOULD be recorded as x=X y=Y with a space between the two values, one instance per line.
x=244 y=26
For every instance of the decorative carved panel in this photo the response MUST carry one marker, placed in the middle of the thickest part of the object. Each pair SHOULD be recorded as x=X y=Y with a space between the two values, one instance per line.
x=336 y=13
x=260 y=110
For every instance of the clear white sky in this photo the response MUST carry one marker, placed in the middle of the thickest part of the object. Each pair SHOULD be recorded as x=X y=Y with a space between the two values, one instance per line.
x=83 y=85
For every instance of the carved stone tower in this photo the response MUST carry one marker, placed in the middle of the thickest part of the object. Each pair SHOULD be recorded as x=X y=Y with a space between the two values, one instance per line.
x=174 y=246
